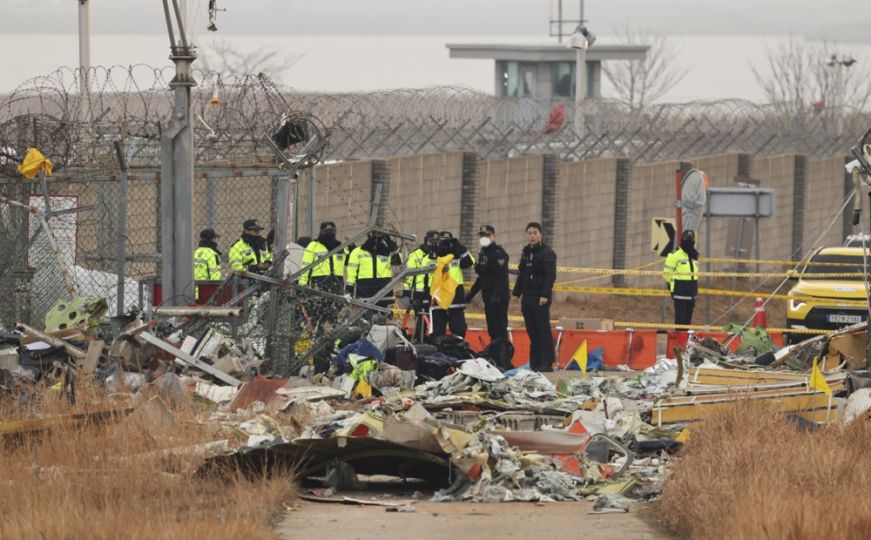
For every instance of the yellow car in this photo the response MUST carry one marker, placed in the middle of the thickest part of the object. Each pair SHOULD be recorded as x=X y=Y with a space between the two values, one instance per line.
x=827 y=303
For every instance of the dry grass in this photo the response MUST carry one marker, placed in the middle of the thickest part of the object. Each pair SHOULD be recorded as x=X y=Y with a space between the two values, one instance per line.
x=113 y=481
x=749 y=473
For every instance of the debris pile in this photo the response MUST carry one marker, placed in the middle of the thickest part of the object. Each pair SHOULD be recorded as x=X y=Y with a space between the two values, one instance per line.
x=381 y=405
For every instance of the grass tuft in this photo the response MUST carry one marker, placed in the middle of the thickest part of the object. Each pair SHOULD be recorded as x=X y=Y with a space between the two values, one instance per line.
x=747 y=472
x=118 y=480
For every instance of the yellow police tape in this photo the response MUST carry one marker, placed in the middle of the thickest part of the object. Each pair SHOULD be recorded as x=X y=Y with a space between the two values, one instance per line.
x=626 y=272
x=664 y=326
x=716 y=260
x=594 y=278
x=708 y=292
x=638 y=272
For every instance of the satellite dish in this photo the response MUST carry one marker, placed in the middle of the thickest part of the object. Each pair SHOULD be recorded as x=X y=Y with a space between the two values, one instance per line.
x=694 y=187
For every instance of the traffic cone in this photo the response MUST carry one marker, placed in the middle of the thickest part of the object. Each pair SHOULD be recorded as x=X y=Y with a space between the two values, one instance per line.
x=759 y=314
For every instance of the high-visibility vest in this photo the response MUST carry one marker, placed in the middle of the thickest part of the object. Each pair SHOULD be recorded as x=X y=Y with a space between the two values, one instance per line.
x=419 y=283
x=207 y=264
x=242 y=255
x=365 y=265
x=679 y=267
x=454 y=268
x=334 y=266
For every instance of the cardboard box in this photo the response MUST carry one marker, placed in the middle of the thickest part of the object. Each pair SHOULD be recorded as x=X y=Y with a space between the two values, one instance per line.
x=582 y=323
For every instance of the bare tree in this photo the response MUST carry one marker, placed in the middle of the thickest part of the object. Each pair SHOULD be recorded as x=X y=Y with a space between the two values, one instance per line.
x=641 y=82
x=225 y=58
x=802 y=77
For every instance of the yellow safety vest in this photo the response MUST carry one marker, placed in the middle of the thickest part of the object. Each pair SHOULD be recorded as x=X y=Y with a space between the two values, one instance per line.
x=419 y=283
x=679 y=267
x=207 y=264
x=334 y=266
x=242 y=255
x=364 y=265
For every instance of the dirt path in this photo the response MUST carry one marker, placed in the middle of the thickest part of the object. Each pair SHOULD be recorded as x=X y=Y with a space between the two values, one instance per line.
x=444 y=521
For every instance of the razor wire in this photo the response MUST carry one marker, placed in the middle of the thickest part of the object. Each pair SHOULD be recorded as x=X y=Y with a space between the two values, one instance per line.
x=231 y=114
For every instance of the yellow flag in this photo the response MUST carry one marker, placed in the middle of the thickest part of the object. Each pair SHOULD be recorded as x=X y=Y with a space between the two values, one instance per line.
x=580 y=357
x=443 y=287
x=34 y=162
x=817 y=381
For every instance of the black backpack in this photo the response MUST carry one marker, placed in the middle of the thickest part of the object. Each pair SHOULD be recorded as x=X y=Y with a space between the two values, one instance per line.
x=402 y=356
x=455 y=347
x=434 y=367
x=499 y=352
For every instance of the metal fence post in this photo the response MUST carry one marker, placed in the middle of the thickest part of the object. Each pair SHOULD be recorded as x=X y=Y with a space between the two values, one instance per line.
x=122 y=228
x=310 y=206
x=210 y=202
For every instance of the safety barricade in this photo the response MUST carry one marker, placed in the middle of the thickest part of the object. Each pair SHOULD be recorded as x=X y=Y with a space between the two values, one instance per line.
x=633 y=348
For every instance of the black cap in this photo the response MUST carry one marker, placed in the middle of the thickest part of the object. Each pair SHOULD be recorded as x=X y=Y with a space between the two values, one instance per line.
x=688 y=235
x=208 y=234
x=251 y=225
x=486 y=230
x=328 y=225
x=431 y=235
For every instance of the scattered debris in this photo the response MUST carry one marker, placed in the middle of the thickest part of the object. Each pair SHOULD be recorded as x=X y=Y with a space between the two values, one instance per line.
x=460 y=428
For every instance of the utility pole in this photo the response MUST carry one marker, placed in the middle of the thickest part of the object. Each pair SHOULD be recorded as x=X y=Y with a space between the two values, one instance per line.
x=582 y=39
x=557 y=25
x=84 y=56
x=177 y=169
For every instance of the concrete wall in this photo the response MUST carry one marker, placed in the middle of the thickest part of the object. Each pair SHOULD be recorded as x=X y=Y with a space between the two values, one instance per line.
x=596 y=213
x=824 y=195
x=586 y=212
x=509 y=197
x=426 y=192
x=776 y=233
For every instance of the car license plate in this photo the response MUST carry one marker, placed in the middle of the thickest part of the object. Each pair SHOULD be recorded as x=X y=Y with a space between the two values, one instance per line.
x=845 y=319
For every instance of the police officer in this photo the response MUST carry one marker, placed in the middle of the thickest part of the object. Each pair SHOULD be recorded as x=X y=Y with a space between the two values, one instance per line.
x=415 y=290
x=250 y=251
x=681 y=275
x=369 y=267
x=328 y=275
x=455 y=316
x=534 y=287
x=492 y=270
x=207 y=257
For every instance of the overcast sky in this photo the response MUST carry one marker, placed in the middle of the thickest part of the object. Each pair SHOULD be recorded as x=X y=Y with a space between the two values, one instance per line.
x=839 y=20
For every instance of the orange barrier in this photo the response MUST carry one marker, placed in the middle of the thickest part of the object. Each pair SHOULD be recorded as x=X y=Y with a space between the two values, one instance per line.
x=678 y=338
x=636 y=349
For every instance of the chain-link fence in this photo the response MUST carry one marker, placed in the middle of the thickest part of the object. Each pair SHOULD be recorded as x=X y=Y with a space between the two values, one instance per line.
x=236 y=168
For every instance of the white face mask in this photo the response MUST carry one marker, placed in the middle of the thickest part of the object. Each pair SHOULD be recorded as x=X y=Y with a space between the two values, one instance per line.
x=484 y=241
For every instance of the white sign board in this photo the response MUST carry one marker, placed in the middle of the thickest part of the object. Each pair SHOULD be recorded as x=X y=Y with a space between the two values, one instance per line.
x=740 y=202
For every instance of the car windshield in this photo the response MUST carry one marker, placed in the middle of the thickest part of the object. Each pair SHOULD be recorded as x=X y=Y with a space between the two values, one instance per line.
x=854 y=261
x=857 y=242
